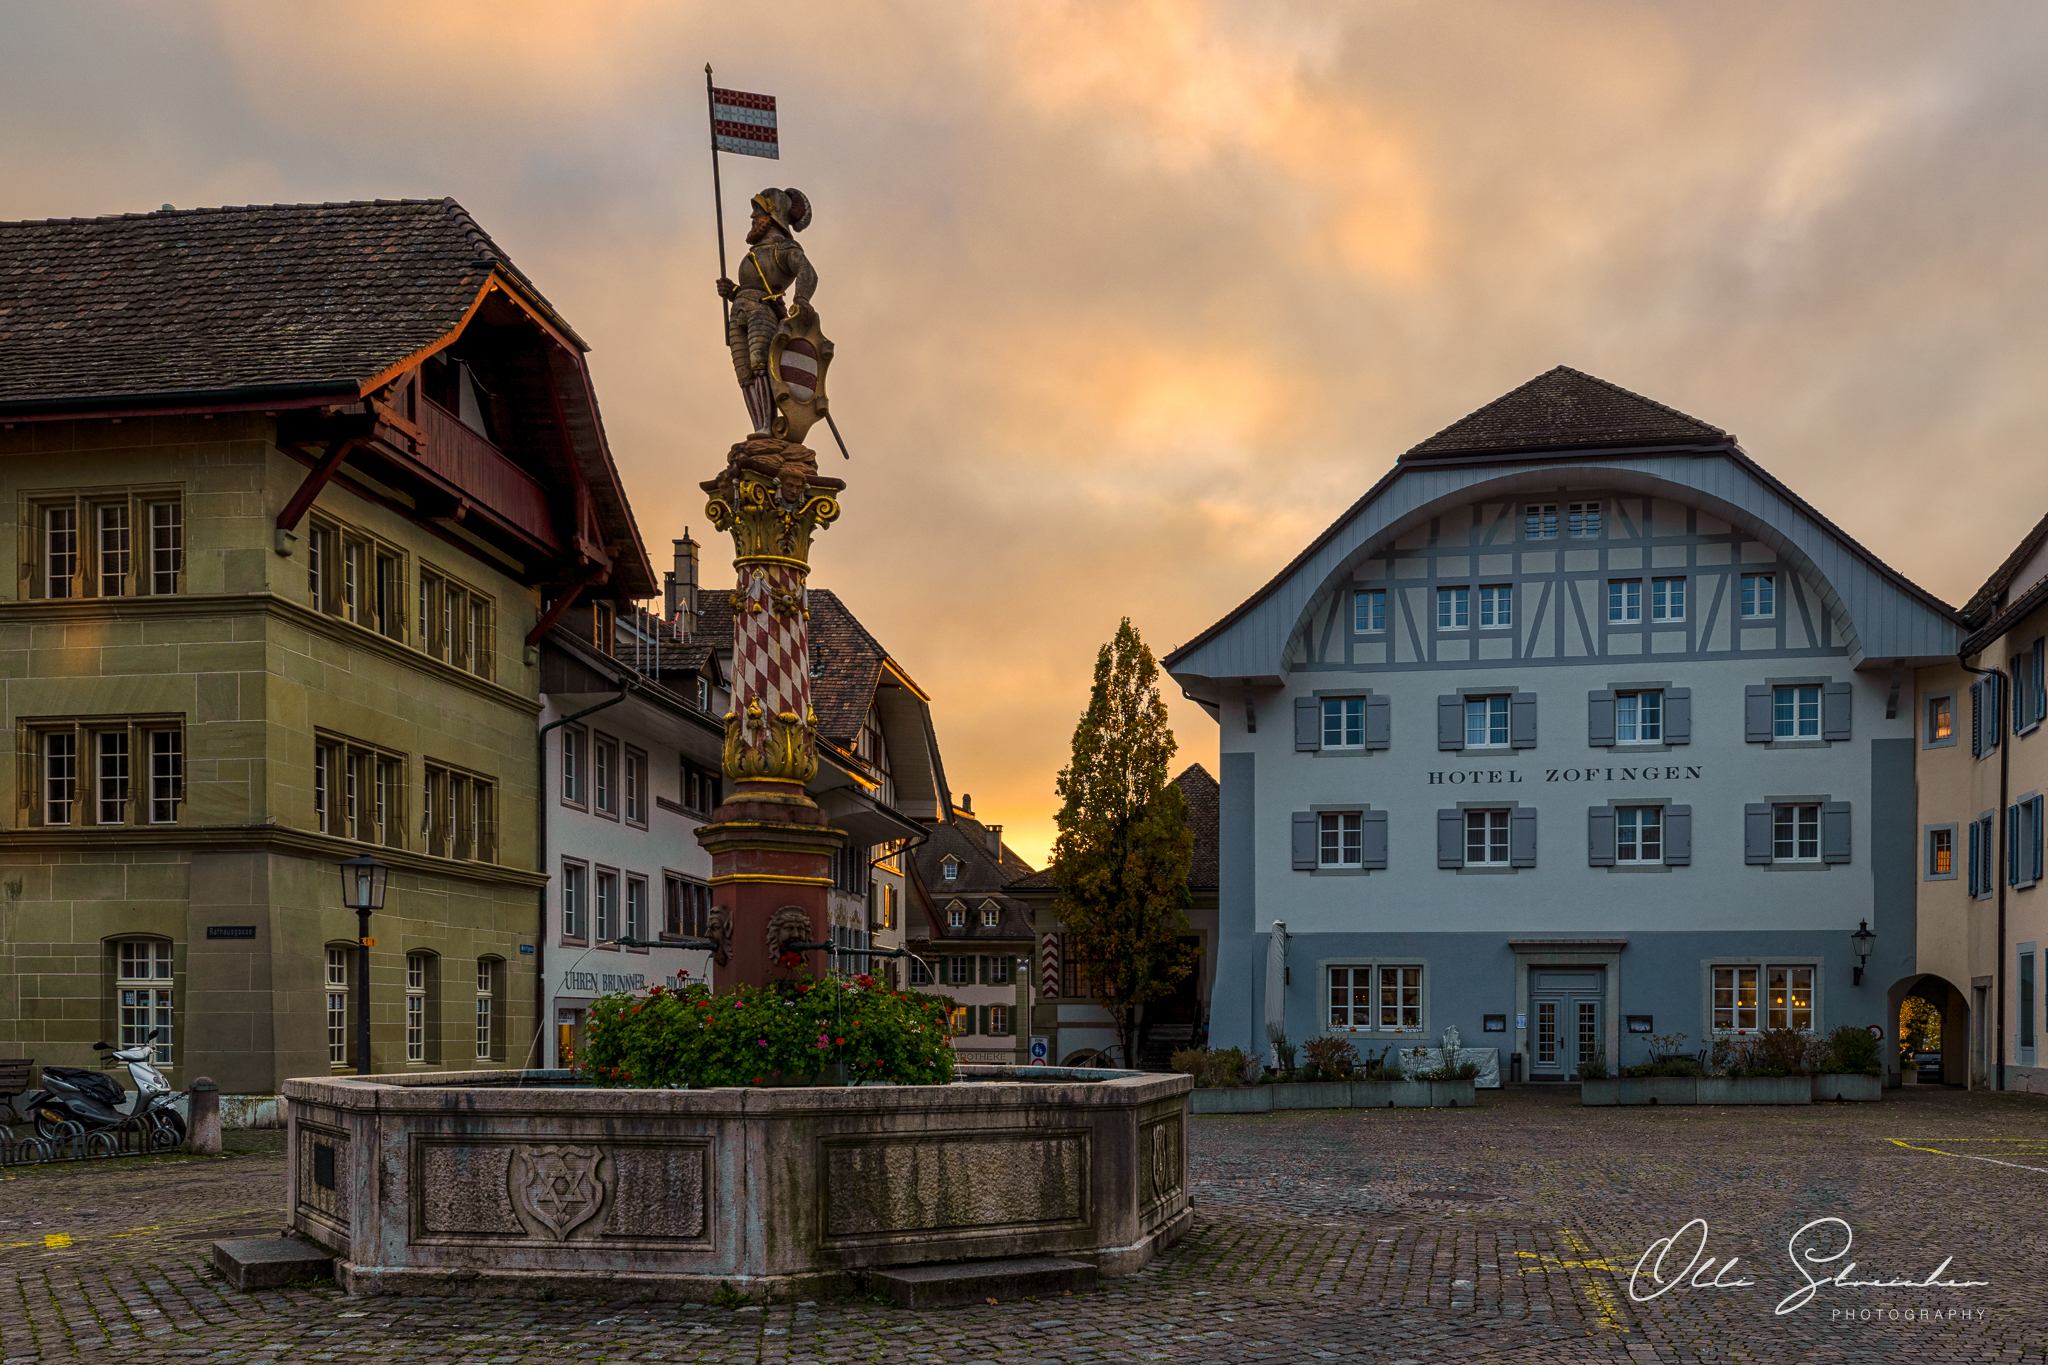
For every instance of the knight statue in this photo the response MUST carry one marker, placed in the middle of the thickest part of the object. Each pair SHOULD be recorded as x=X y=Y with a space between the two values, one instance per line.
x=778 y=351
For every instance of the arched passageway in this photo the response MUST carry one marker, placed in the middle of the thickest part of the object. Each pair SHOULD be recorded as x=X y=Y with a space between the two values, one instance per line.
x=1962 y=1052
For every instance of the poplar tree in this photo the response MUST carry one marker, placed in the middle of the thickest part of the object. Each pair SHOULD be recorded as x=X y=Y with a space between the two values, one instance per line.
x=1121 y=857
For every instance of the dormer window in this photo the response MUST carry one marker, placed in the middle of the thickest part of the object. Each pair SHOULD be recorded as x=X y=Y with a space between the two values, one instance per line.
x=956 y=915
x=990 y=915
x=952 y=873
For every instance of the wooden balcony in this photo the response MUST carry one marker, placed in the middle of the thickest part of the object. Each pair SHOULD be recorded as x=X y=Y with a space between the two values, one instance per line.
x=482 y=473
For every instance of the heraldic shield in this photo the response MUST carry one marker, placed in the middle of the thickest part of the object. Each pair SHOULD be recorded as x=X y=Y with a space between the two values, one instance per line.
x=797 y=361
x=559 y=1188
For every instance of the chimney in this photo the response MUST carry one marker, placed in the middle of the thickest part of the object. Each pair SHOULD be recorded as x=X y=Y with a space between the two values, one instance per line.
x=966 y=804
x=685 y=592
x=995 y=842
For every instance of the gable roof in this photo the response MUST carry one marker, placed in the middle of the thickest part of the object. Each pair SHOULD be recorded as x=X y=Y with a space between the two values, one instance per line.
x=1564 y=409
x=1984 y=602
x=982 y=877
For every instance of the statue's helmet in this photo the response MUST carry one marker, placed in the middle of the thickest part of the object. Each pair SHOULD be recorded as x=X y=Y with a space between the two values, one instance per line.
x=789 y=209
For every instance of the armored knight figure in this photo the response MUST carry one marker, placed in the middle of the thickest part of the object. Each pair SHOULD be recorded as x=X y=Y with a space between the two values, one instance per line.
x=778 y=352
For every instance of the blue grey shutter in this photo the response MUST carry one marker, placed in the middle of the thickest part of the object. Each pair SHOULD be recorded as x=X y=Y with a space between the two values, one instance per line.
x=1372 y=828
x=2012 y=845
x=1975 y=858
x=1977 y=719
x=1308 y=724
x=1756 y=834
x=1678 y=715
x=1379 y=722
x=1834 y=832
x=2020 y=694
x=1304 y=841
x=1678 y=836
x=1522 y=837
x=2040 y=671
x=1994 y=721
x=2035 y=875
x=1600 y=719
x=1450 y=838
x=1450 y=722
x=1600 y=836
x=1756 y=714
x=1522 y=721
x=1835 y=701
x=1987 y=878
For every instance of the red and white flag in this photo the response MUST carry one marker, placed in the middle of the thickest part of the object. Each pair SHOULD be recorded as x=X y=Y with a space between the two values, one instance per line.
x=743 y=123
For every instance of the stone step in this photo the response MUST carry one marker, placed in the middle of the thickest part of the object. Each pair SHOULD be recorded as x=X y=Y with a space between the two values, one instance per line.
x=942 y=1286
x=267 y=1262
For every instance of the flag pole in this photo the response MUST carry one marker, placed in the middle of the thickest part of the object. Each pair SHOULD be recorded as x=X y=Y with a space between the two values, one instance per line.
x=717 y=195
x=844 y=452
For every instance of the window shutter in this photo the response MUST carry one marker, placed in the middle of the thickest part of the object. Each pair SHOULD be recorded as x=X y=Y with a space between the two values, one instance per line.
x=1756 y=714
x=1450 y=722
x=1993 y=684
x=2020 y=696
x=1678 y=836
x=981 y=1020
x=1304 y=841
x=2012 y=845
x=1678 y=715
x=1522 y=721
x=2040 y=671
x=1987 y=878
x=988 y=971
x=1373 y=829
x=1600 y=836
x=1308 y=724
x=2035 y=874
x=1600 y=719
x=1834 y=832
x=1835 y=700
x=1450 y=838
x=1975 y=862
x=1379 y=722
x=1522 y=837
x=1977 y=719
x=1756 y=834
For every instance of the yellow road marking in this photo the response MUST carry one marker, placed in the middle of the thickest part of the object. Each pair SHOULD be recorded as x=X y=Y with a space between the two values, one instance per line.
x=54 y=1240
x=1604 y=1303
x=2026 y=1144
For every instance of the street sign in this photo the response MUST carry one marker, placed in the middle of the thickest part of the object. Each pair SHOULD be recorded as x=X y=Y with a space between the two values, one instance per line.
x=1041 y=1048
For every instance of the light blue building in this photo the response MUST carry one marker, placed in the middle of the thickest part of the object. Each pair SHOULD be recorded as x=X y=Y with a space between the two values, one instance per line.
x=1578 y=726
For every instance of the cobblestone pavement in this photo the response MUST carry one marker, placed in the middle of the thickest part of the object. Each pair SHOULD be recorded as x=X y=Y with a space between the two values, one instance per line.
x=1504 y=1233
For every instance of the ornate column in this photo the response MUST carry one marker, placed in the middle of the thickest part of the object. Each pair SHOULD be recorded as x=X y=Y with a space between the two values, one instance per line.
x=769 y=843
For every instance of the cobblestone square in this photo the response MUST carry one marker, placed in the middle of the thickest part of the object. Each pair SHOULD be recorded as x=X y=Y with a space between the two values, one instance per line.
x=1507 y=1232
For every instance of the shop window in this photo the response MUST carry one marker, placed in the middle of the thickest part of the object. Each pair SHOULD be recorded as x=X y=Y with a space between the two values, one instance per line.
x=143 y=995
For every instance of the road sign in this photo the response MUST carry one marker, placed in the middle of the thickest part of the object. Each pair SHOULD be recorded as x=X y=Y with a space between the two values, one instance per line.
x=1041 y=1048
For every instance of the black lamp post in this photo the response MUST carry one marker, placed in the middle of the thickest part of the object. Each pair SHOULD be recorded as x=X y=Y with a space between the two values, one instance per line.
x=1862 y=941
x=362 y=890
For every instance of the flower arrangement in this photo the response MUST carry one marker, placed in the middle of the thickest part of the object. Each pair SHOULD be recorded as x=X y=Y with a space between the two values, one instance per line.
x=791 y=1032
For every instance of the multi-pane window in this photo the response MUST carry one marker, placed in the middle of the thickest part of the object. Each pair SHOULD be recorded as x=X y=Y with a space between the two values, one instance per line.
x=951 y=870
x=636 y=908
x=1941 y=852
x=604 y=775
x=143 y=999
x=1624 y=601
x=1789 y=1003
x=1639 y=834
x=1667 y=599
x=572 y=765
x=1338 y=838
x=960 y=971
x=700 y=790
x=888 y=906
x=1795 y=832
x=1583 y=521
x=687 y=906
x=1759 y=595
x=337 y=1006
x=633 y=781
x=920 y=972
x=1400 y=998
x=607 y=905
x=1496 y=606
x=990 y=916
x=1486 y=838
x=1795 y=712
x=459 y=816
x=960 y=1021
x=1379 y=999
x=1453 y=608
x=998 y=1021
x=1343 y=722
x=1735 y=998
x=85 y=772
x=1539 y=521
x=1638 y=717
x=86 y=544
x=1369 y=611
x=575 y=889
x=486 y=983
x=1941 y=719
x=956 y=916
x=1486 y=722
x=456 y=622
x=416 y=1007
x=359 y=791
x=354 y=575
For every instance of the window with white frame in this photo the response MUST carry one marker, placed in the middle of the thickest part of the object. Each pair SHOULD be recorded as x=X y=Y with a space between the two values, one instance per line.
x=358 y=790
x=700 y=789
x=990 y=916
x=998 y=1021
x=1339 y=838
x=1759 y=595
x=956 y=916
x=1624 y=601
x=604 y=776
x=1582 y=521
x=1766 y=995
x=575 y=890
x=634 y=787
x=337 y=1006
x=456 y=623
x=1539 y=521
x=1343 y=722
x=960 y=1021
x=636 y=908
x=1795 y=712
x=416 y=969
x=686 y=906
x=105 y=770
x=1639 y=834
x=1667 y=599
x=356 y=576
x=952 y=868
x=1453 y=608
x=1795 y=832
x=143 y=995
x=1381 y=998
x=1941 y=851
x=920 y=972
x=960 y=971
x=1496 y=606
x=607 y=904
x=105 y=543
x=1486 y=838
x=573 y=741
x=1486 y=722
x=460 y=814
x=1369 y=611
x=1639 y=717
x=486 y=999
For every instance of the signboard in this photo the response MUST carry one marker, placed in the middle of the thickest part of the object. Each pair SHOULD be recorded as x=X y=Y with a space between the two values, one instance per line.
x=231 y=931
x=526 y=950
x=1041 y=1048
x=1876 y=1031
x=1641 y=1023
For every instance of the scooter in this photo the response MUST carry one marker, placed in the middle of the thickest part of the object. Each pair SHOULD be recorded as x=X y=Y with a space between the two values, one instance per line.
x=76 y=1103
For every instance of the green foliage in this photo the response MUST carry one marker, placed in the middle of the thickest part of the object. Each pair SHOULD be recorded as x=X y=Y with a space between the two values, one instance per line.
x=1330 y=1059
x=781 y=1034
x=1850 y=1050
x=1919 y=1027
x=1774 y=1052
x=728 y=1297
x=1120 y=859
x=1223 y=1069
x=1594 y=1066
x=1665 y=1059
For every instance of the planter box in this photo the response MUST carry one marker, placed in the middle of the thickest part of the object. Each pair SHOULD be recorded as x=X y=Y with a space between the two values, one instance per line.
x=1848 y=1088
x=1310 y=1094
x=1451 y=1094
x=1756 y=1090
x=1720 y=1090
x=524 y=1184
x=1261 y=1099
x=1243 y=1099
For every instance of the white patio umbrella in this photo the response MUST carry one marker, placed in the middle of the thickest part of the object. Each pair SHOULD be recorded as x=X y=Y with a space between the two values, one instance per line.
x=1276 y=990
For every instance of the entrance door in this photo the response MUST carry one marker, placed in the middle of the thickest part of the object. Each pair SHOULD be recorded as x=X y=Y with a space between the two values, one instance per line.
x=1565 y=1026
x=568 y=1036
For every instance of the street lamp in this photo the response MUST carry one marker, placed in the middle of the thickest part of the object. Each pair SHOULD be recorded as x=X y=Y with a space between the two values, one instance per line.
x=1862 y=941
x=362 y=890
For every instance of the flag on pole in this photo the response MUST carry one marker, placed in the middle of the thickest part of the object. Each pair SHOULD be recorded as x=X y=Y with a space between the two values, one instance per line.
x=743 y=123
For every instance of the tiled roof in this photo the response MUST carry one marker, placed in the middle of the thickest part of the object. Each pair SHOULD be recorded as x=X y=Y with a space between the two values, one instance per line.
x=276 y=298
x=965 y=839
x=1984 y=603
x=1563 y=409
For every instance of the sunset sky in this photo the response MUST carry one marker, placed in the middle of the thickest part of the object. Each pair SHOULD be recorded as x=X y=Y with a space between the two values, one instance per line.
x=1132 y=299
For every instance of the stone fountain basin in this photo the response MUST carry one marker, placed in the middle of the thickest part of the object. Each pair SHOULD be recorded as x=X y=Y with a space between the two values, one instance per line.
x=527 y=1184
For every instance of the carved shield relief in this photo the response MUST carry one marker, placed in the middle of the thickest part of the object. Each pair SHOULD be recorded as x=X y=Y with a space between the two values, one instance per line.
x=797 y=361
x=556 y=1189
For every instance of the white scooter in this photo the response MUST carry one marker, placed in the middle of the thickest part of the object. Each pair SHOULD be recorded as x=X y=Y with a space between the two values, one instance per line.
x=75 y=1102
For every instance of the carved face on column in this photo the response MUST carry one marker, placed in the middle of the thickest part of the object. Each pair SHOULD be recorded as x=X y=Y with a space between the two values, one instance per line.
x=720 y=927
x=790 y=924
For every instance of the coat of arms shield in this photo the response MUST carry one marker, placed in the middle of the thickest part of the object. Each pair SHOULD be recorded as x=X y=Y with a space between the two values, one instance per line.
x=797 y=361
x=558 y=1187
